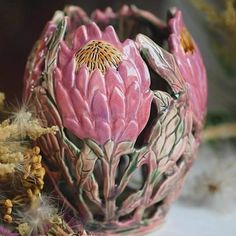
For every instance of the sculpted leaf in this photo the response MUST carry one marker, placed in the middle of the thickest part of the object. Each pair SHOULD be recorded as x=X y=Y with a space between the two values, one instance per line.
x=171 y=127
x=91 y=189
x=85 y=164
x=51 y=57
x=132 y=202
x=162 y=62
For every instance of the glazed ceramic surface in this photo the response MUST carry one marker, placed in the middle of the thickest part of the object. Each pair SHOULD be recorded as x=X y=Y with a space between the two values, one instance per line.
x=129 y=113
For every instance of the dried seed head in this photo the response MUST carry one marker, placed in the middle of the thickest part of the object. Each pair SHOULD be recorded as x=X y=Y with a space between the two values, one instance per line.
x=8 y=203
x=36 y=150
x=7 y=218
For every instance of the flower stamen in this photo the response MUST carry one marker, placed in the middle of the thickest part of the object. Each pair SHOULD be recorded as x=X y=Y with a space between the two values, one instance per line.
x=98 y=54
x=186 y=41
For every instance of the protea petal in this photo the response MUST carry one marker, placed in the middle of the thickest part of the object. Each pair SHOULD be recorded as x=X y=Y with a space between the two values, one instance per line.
x=99 y=107
x=110 y=35
x=82 y=80
x=81 y=107
x=133 y=100
x=130 y=131
x=68 y=77
x=127 y=70
x=80 y=37
x=144 y=109
x=86 y=122
x=94 y=31
x=65 y=54
x=66 y=106
x=118 y=128
x=117 y=104
x=131 y=49
x=114 y=80
x=96 y=82
x=103 y=130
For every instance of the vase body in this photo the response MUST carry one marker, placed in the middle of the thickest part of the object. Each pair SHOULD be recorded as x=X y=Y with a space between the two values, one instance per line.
x=129 y=113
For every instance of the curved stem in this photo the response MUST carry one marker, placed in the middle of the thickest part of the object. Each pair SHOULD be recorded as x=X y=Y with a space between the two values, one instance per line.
x=128 y=174
x=109 y=171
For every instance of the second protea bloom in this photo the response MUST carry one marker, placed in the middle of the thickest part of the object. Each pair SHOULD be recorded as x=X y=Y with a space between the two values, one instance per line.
x=129 y=113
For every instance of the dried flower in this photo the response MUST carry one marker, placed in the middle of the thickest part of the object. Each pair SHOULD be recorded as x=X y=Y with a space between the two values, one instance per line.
x=36 y=219
x=43 y=218
x=20 y=165
x=2 y=98
x=213 y=178
x=222 y=21
x=28 y=126
x=14 y=139
x=23 y=229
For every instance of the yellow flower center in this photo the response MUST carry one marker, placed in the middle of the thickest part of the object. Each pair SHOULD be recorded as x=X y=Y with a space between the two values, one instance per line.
x=186 y=41
x=98 y=54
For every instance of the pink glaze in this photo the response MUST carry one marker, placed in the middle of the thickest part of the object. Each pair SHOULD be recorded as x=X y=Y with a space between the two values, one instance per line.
x=191 y=66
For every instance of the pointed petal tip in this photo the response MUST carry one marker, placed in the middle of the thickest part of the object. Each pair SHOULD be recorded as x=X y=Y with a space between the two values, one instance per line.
x=111 y=35
x=80 y=37
x=82 y=79
x=96 y=73
x=94 y=31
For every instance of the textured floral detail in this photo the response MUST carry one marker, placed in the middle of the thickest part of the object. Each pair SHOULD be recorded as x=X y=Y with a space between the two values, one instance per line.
x=190 y=63
x=114 y=105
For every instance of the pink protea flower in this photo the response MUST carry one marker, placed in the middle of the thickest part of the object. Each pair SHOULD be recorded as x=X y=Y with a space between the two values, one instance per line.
x=189 y=60
x=107 y=98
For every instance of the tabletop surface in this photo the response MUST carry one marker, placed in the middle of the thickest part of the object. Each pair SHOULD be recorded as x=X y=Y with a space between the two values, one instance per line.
x=185 y=220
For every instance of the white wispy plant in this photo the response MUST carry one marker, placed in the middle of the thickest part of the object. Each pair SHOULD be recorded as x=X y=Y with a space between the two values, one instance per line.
x=212 y=181
x=35 y=221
